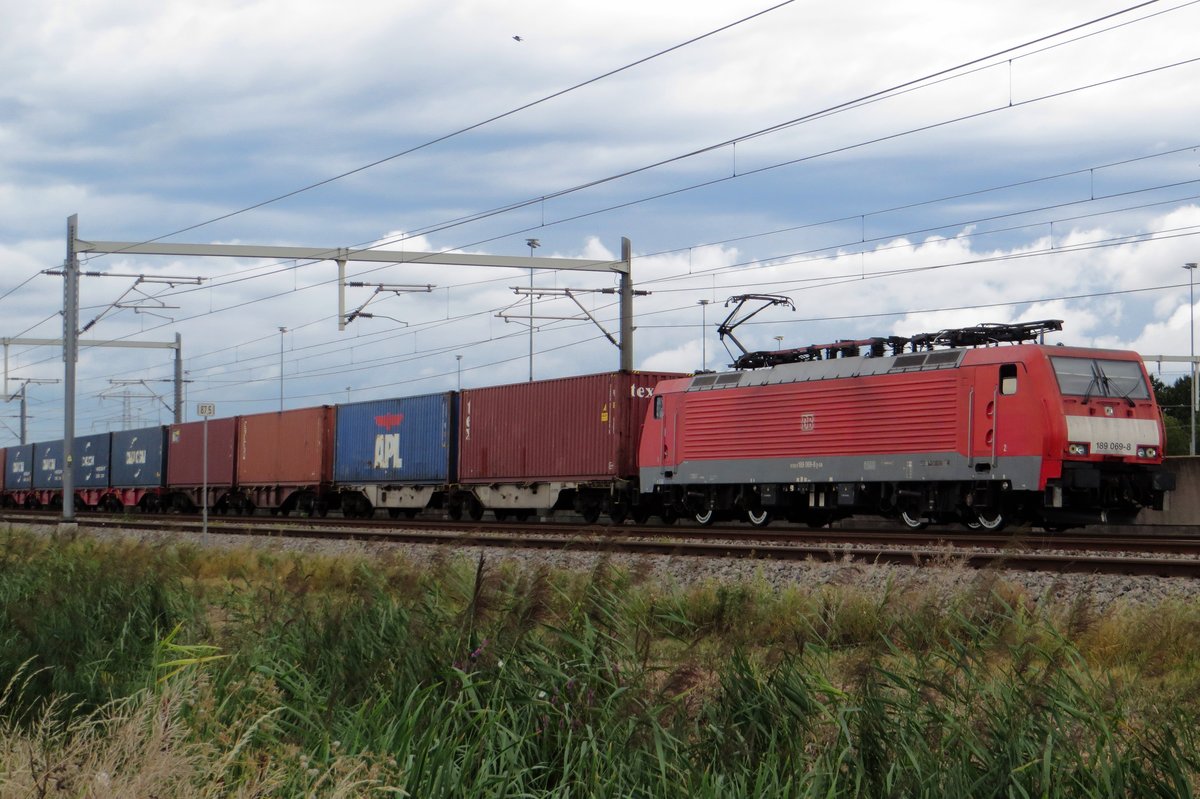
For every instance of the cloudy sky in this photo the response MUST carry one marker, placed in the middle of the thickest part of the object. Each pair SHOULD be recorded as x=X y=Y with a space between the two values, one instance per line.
x=892 y=168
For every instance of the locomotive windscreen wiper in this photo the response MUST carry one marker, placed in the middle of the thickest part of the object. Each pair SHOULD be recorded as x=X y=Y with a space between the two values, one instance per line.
x=1099 y=380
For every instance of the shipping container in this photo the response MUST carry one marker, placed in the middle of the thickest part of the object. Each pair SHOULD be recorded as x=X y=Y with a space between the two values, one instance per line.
x=569 y=429
x=48 y=465
x=18 y=468
x=139 y=457
x=286 y=448
x=410 y=440
x=185 y=453
x=395 y=454
x=91 y=455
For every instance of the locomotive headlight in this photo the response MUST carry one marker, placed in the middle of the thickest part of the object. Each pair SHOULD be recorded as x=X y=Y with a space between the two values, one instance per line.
x=1144 y=451
x=1077 y=449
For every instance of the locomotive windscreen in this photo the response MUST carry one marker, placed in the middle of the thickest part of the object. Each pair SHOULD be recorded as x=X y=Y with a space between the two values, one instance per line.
x=1094 y=377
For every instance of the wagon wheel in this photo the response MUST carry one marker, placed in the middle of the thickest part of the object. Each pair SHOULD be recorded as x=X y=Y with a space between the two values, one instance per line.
x=640 y=514
x=913 y=519
x=590 y=514
x=524 y=514
x=758 y=518
x=475 y=509
x=705 y=518
x=501 y=515
x=617 y=514
x=455 y=511
x=393 y=513
x=410 y=513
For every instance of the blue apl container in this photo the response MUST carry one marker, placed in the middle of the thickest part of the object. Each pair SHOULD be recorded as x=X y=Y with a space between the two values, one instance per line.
x=92 y=465
x=18 y=468
x=139 y=458
x=48 y=464
x=410 y=440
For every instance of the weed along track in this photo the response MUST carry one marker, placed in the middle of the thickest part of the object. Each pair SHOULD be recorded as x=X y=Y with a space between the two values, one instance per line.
x=1060 y=553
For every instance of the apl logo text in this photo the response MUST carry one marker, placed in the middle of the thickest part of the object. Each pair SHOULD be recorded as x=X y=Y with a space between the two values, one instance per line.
x=387 y=445
x=387 y=451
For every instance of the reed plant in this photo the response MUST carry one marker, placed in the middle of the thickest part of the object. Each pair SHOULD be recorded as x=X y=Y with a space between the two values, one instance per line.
x=262 y=674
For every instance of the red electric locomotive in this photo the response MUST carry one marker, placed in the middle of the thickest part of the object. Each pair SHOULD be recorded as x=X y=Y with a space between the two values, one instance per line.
x=945 y=427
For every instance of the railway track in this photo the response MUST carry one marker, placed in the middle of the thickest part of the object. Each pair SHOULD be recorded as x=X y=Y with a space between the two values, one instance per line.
x=1024 y=550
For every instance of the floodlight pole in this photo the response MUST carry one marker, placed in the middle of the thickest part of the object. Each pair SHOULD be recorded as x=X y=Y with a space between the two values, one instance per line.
x=178 y=379
x=626 y=344
x=1191 y=270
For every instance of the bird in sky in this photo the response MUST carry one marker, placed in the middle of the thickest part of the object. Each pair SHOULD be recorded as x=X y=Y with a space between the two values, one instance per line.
x=518 y=39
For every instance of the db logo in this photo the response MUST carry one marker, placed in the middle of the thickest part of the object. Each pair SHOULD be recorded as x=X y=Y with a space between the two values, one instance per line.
x=808 y=422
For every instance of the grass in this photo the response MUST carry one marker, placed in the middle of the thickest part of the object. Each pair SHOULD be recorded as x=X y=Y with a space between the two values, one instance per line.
x=134 y=670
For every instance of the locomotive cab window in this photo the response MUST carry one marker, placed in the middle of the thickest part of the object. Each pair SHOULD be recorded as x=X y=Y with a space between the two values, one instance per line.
x=1008 y=379
x=658 y=407
x=1099 y=378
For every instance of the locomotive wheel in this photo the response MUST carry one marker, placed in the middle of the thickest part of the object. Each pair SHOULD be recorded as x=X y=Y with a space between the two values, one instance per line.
x=640 y=514
x=758 y=518
x=590 y=514
x=913 y=520
x=705 y=518
x=618 y=513
x=669 y=516
x=992 y=520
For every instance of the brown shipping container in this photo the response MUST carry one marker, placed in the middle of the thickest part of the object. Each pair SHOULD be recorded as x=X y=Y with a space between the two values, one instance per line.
x=185 y=453
x=572 y=428
x=286 y=447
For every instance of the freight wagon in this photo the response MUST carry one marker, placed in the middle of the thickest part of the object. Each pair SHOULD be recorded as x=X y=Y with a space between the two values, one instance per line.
x=564 y=444
x=201 y=468
x=138 y=470
x=398 y=454
x=18 y=476
x=47 y=475
x=91 y=474
x=285 y=461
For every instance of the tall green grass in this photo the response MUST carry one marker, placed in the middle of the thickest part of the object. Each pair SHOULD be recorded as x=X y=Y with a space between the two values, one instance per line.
x=251 y=673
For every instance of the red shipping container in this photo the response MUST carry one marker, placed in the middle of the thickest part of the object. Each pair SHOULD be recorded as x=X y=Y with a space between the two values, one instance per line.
x=286 y=447
x=571 y=428
x=185 y=451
